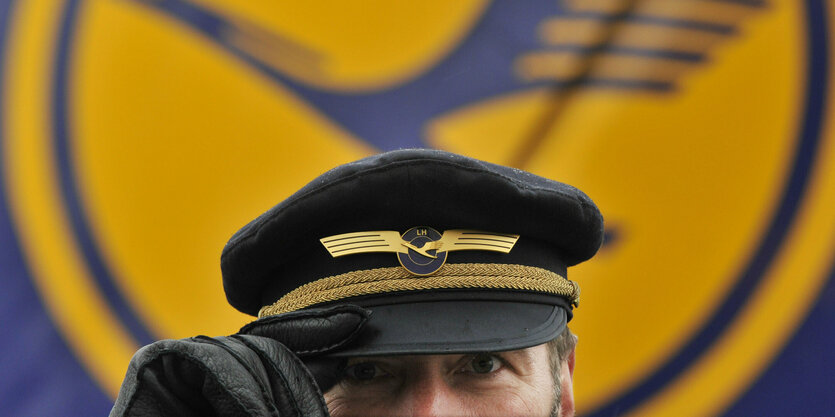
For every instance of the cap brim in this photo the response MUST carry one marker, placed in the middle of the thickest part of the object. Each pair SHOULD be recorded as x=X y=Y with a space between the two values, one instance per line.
x=461 y=326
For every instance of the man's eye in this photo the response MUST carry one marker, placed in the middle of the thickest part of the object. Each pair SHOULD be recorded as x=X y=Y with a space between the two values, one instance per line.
x=363 y=371
x=484 y=363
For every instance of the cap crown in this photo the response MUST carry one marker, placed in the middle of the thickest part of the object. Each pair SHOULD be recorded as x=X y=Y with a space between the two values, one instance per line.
x=280 y=250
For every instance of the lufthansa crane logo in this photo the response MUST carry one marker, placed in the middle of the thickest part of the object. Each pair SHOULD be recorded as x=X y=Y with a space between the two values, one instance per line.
x=421 y=250
x=587 y=92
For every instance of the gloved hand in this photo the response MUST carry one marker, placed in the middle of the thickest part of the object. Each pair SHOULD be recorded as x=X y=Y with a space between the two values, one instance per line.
x=257 y=372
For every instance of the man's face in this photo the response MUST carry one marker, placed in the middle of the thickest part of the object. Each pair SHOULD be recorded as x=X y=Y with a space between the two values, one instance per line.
x=515 y=383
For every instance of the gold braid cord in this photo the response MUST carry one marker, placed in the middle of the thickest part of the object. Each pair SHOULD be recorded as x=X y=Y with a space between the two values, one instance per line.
x=450 y=276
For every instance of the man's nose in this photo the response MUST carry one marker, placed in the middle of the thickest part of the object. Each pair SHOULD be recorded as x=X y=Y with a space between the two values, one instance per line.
x=432 y=396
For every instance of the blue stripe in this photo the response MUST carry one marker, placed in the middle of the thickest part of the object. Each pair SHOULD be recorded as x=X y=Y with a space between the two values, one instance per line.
x=782 y=220
x=749 y=3
x=798 y=382
x=69 y=182
x=627 y=51
x=629 y=16
x=591 y=82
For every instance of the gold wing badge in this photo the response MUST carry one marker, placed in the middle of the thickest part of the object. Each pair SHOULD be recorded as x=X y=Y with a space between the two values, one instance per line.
x=420 y=250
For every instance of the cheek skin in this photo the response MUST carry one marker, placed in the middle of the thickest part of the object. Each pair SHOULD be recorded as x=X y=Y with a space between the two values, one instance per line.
x=523 y=402
x=567 y=379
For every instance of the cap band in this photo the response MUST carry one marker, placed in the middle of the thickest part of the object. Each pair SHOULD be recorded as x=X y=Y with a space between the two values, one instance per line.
x=450 y=276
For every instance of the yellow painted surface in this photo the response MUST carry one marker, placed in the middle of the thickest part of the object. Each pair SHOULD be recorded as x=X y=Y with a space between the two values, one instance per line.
x=200 y=148
x=770 y=318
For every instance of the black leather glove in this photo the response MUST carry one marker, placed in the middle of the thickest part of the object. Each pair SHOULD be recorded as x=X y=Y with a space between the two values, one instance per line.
x=257 y=372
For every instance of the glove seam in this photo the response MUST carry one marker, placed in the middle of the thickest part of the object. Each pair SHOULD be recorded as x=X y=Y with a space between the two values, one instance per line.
x=265 y=358
x=264 y=393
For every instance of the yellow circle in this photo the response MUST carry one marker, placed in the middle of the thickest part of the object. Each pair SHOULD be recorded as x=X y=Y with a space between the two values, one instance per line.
x=176 y=144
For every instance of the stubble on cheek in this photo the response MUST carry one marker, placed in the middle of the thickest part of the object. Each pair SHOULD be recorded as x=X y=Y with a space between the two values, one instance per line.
x=533 y=403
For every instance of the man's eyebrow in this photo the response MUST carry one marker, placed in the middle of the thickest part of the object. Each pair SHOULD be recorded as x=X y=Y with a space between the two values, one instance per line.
x=522 y=358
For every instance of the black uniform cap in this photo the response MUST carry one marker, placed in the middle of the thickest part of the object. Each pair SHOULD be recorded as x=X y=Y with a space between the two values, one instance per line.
x=479 y=300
